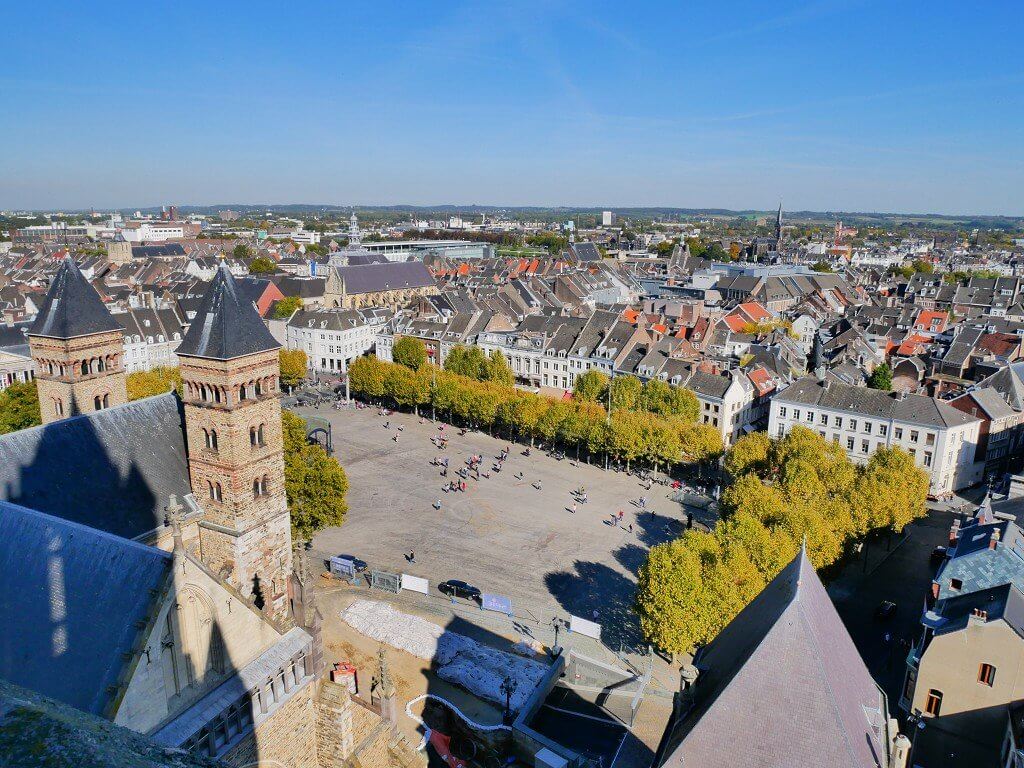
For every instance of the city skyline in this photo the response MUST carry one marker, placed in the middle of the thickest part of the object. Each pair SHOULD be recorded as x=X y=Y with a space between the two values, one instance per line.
x=828 y=106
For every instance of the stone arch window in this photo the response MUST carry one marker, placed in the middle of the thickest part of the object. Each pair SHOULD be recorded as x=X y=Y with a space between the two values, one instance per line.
x=58 y=406
x=216 y=395
x=258 y=387
x=193 y=649
x=210 y=438
x=256 y=436
x=49 y=367
x=101 y=365
x=101 y=401
x=85 y=367
x=261 y=487
x=216 y=493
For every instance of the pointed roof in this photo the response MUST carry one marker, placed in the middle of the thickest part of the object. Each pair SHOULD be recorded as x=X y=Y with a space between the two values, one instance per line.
x=72 y=307
x=227 y=324
x=782 y=685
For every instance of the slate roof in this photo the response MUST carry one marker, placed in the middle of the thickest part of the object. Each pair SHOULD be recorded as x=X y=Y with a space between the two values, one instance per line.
x=389 y=276
x=111 y=469
x=782 y=686
x=915 y=409
x=72 y=307
x=227 y=324
x=71 y=599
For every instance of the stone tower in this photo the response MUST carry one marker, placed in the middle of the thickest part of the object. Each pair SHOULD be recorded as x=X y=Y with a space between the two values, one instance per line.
x=78 y=349
x=230 y=370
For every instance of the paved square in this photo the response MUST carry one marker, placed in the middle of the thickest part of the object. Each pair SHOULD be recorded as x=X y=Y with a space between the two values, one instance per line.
x=502 y=534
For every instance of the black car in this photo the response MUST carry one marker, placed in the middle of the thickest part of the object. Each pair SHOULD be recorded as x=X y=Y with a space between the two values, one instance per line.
x=885 y=610
x=456 y=588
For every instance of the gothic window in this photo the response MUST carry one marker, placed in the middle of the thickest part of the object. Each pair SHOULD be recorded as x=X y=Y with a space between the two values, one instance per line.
x=193 y=648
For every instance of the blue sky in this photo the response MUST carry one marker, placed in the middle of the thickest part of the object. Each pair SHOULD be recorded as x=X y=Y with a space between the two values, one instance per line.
x=824 y=105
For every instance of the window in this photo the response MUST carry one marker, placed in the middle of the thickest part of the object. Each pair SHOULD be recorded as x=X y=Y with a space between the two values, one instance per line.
x=839 y=422
x=927 y=459
x=986 y=674
x=853 y=425
x=898 y=433
x=810 y=416
x=216 y=494
x=261 y=487
x=929 y=438
x=796 y=415
x=782 y=411
x=867 y=427
x=824 y=418
x=211 y=439
x=933 y=703
x=58 y=406
x=849 y=443
x=865 y=446
x=883 y=429
x=956 y=584
x=256 y=436
x=913 y=435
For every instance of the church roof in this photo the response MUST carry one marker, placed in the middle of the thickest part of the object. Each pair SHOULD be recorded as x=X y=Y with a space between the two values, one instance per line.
x=111 y=469
x=227 y=324
x=73 y=599
x=782 y=686
x=72 y=307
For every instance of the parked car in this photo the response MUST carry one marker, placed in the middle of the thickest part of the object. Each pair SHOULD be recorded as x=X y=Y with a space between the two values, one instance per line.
x=885 y=610
x=456 y=588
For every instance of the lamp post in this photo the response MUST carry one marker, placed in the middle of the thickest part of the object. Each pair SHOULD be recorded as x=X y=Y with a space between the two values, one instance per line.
x=508 y=687
x=919 y=726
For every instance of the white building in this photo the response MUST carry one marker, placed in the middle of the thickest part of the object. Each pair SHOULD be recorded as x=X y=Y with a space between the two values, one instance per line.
x=942 y=440
x=154 y=231
x=607 y=218
x=332 y=338
x=151 y=337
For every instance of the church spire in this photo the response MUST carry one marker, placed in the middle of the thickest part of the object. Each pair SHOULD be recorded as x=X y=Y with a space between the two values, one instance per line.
x=778 y=228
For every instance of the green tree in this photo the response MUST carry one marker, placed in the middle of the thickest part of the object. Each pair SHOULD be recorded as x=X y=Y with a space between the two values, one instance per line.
x=261 y=265
x=293 y=366
x=156 y=381
x=625 y=393
x=498 y=371
x=470 y=362
x=590 y=386
x=287 y=307
x=410 y=352
x=315 y=483
x=366 y=377
x=822 y=266
x=698 y=443
x=751 y=453
x=241 y=251
x=19 y=407
x=881 y=377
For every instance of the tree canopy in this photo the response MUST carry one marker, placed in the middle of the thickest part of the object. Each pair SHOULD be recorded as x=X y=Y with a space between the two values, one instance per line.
x=19 y=407
x=261 y=265
x=315 y=483
x=293 y=366
x=410 y=352
x=286 y=307
x=799 y=488
x=881 y=377
x=156 y=381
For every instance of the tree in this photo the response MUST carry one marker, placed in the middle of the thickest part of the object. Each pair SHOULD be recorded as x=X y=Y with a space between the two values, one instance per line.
x=698 y=443
x=410 y=352
x=590 y=386
x=261 y=265
x=315 y=483
x=625 y=393
x=287 y=307
x=241 y=251
x=366 y=377
x=497 y=369
x=19 y=407
x=156 y=381
x=881 y=377
x=293 y=366
x=751 y=453
x=466 y=361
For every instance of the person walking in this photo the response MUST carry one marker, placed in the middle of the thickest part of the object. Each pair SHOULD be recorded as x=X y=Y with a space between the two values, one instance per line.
x=620 y=516
x=574 y=507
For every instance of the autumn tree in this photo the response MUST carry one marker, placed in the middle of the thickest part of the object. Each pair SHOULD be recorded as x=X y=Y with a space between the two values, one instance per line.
x=470 y=362
x=156 y=381
x=287 y=307
x=497 y=369
x=590 y=386
x=293 y=367
x=626 y=392
x=262 y=265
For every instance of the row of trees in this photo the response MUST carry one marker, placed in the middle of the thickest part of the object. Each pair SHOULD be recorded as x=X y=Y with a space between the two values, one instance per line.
x=579 y=424
x=800 y=488
x=628 y=393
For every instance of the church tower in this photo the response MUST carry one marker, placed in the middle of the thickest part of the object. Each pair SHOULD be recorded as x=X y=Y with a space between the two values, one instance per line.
x=78 y=349
x=230 y=371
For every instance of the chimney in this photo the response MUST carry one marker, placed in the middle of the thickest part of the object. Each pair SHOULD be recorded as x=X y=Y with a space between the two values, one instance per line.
x=993 y=543
x=900 y=751
x=687 y=687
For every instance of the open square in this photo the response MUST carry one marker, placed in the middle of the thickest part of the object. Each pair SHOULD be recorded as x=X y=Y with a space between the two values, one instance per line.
x=504 y=534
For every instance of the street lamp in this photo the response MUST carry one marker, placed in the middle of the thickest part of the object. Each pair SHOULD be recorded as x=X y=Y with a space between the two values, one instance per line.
x=508 y=687
x=919 y=726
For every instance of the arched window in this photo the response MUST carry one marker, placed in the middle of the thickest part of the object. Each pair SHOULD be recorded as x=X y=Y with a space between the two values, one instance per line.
x=85 y=367
x=101 y=365
x=106 y=400
x=209 y=486
x=58 y=406
x=260 y=486
x=256 y=488
x=259 y=435
x=216 y=394
x=211 y=439
x=97 y=403
x=258 y=387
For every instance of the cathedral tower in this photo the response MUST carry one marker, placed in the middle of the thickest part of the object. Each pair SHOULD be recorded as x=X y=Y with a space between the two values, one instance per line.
x=230 y=370
x=78 y=349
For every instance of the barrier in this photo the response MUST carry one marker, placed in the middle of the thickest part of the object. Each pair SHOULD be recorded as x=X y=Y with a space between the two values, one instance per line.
x=342 y=567
x=415 y=584
x=584 y=627
x=497 y=603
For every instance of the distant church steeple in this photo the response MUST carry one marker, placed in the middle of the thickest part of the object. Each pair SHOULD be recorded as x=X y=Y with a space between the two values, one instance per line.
x=355 y=237
x=78 y=349
x=778 y=229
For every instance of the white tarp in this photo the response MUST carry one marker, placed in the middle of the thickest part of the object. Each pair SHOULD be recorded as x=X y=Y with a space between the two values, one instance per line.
x=584 y=627
x=415 y=584
x=459 y=660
